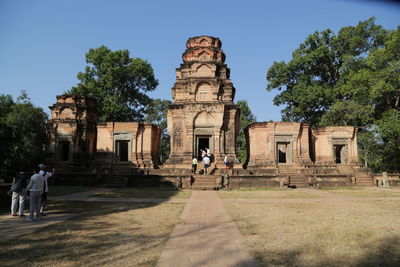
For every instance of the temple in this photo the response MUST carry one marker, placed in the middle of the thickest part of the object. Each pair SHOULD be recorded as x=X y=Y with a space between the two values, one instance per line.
x=203 y=116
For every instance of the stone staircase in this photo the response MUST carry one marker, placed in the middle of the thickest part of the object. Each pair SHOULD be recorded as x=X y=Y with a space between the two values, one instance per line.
x=298 y=181
x=364 y=179
x=206 y=182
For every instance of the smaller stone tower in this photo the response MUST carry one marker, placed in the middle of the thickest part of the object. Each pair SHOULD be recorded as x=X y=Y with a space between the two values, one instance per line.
x=73 y=130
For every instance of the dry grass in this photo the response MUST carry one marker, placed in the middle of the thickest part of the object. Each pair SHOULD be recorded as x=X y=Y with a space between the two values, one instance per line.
x=146 y=192
x=106 y=234
x=61 y=190
x=321 y=234
x=265 y=194
x=368 y=192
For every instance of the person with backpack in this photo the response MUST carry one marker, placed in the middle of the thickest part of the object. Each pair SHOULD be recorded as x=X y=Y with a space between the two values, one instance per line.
x=18 y=189
x=46 y=175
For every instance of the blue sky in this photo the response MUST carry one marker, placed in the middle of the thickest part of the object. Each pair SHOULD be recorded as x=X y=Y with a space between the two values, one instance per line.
x=43 y=43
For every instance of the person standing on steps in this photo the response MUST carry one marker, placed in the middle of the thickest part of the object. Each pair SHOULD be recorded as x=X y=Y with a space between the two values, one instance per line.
x=194 y=165
x=206 y=161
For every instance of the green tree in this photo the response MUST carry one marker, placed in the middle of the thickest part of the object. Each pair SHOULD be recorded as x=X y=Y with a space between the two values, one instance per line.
x=25 y=128
x=246 y=118
x=349 y=78
x=156 y=112
x=117 y=82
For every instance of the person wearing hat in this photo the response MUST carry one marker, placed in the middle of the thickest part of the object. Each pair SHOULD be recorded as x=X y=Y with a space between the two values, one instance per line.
x=46 y=175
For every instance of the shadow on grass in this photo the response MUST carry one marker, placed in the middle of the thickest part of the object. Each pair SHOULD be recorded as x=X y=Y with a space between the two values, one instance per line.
x=145 y=192
x=92 y=237
x=383 y=253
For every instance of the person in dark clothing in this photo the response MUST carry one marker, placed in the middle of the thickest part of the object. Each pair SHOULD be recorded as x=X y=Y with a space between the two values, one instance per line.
x=18 y=188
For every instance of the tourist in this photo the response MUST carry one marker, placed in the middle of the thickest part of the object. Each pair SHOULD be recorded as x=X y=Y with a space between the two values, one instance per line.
x=206 y=161
x=208 y=152
x=35 y=188
x=18 y=189
x=46 y=175
x=194 y=165
x=226 y=162
x=203 y=153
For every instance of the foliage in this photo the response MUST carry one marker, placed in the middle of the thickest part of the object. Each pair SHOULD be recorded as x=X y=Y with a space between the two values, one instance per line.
x=117 y=82
x=349 y=78
x=246 y=118
x=156 y=112
x=23 y=134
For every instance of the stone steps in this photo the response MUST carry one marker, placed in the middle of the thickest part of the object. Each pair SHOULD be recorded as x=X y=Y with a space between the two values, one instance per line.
x=364 y=180
x=205 y=182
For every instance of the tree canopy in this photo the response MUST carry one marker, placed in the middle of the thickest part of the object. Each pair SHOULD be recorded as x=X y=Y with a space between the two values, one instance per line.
x=246 y=118
x=22 y=134
x=117 y=82
x=349 y=78
x=156 y=112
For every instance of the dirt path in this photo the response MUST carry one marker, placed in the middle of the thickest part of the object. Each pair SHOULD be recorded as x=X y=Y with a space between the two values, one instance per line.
x=206 y=237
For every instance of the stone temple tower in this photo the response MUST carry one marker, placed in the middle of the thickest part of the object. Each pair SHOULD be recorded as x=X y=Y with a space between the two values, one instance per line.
x=203 y=114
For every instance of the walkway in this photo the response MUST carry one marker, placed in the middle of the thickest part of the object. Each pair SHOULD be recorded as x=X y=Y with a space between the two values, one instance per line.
x=15 y=226
x=206 y=237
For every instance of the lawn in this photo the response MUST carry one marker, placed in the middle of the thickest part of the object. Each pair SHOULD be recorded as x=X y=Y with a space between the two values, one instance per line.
x=146 y=192
x=61 y=190
x=362 y=233
x=103 y=234
x=264 y=193
x=368 y=192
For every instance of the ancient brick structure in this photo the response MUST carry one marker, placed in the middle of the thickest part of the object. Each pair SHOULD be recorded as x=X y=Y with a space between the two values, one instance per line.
x=78 y=140
x=203 y=114
x=274 y=144
x=72 y=129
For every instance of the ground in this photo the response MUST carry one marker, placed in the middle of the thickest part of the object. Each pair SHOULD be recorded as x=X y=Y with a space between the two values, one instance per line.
x=300 y=227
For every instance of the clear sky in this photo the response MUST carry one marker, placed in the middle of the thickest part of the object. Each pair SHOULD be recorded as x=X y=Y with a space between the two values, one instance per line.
x=43 y=42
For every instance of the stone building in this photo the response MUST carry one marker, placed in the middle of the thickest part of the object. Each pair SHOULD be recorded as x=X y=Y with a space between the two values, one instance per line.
x=273 y=144
x=203 y=114
x=79 y=141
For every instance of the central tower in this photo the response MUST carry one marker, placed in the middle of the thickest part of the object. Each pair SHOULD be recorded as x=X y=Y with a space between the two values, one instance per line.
x=203 y=114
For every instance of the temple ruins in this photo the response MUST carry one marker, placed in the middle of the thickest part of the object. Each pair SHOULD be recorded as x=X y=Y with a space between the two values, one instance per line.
x=203 y=116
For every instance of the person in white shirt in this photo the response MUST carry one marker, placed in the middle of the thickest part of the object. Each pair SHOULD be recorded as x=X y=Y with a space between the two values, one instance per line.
x=35 y=187
x=206 y=161
x=46 y=175
x=194 y=165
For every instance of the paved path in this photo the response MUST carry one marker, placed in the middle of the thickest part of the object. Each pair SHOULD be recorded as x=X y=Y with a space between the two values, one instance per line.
x=206 y=237
x=15 y=226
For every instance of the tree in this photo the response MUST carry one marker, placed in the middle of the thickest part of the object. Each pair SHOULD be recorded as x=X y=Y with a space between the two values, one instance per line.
x=24 y=126
x=117 y=82
x=156 y=112
x=246 y=118
x=350 y=78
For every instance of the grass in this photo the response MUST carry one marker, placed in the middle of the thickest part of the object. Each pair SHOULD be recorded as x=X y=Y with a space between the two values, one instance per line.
x=103 y=234
x=61 y=190
x=349 y=233
x=146 y=192
x=264 y=193
x=365 y=192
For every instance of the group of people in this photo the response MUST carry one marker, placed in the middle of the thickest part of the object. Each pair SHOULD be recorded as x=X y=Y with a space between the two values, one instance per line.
x=36 y=186
x=205 y=156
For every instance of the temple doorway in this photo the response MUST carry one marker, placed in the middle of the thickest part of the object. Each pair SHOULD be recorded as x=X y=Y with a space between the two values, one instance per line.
x=340 y=152
x=282 y=149
x=203 y=142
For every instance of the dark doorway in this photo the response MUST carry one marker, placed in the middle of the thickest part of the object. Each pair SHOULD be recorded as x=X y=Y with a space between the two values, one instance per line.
x=63 y=150
x=203 y=142
x=122 y=150
x=282 y=148
x=338 y=153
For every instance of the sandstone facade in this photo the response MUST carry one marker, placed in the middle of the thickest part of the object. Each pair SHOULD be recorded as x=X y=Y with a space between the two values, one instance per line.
x=274 y=144
x=203 y=114
x=78 y=139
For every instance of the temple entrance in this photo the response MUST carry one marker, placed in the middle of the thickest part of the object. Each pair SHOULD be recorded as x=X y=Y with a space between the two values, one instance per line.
x=202 y=142
x=340 y=152
x=282 y=152
x=63 y=150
